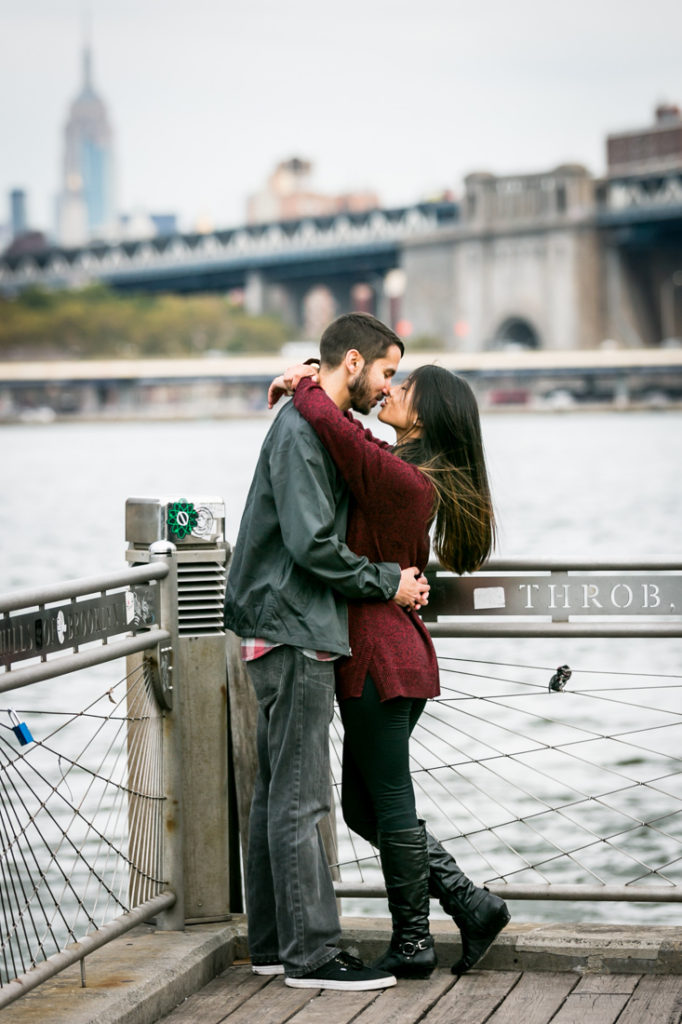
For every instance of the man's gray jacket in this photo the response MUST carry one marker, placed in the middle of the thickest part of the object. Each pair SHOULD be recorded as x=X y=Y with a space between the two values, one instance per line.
x=291 y=572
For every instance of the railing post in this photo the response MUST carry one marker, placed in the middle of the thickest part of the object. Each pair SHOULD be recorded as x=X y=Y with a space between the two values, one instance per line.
x=196 y=846
x=172 y=841
x=152 y=748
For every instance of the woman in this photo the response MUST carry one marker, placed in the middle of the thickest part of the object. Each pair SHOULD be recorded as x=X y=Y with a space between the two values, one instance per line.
x=436 y=471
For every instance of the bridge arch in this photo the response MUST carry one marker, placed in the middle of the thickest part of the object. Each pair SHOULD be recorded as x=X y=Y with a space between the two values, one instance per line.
x=516 y=332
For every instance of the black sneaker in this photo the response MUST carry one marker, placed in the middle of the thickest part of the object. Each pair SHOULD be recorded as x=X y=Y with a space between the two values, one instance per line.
x=268 y=967
x=343 y=972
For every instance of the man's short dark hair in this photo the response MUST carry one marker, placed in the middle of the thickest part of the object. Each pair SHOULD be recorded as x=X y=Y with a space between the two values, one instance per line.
x=361 y=331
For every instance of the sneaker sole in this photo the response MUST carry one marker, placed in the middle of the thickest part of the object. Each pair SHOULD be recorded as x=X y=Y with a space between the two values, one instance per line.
x=267 y=969
x=342 y=986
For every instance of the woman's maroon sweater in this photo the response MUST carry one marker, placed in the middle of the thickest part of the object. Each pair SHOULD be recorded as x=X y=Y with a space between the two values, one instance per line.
x=389 y=515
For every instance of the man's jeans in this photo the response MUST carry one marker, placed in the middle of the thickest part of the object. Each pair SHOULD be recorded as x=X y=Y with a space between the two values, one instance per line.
x=292 y=914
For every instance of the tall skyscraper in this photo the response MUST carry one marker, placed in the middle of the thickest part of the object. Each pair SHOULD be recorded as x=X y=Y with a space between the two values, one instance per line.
x=86 y=206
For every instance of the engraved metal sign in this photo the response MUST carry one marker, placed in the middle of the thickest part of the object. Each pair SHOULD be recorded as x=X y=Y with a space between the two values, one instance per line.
x=558 y=596
x=74 y=623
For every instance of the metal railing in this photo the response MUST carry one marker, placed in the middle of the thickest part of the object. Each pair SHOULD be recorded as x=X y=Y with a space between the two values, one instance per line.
x=568 y=598
x=94 y=837
x=529 y=779
x=75 y=870
x=549 y=784
x=54 y=626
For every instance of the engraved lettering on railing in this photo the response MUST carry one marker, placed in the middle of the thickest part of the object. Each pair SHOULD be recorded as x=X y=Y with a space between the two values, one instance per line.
x=628 y=595
x=602 y=595
x=529 y=587
x=591 y=595
x=16 y=637
x=553 y=596
x=60 y=627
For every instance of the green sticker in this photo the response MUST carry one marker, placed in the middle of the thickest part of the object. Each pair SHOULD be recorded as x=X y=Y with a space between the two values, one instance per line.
x=182 y=518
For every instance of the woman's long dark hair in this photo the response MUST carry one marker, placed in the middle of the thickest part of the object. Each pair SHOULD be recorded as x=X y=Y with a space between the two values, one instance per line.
x=450 y=453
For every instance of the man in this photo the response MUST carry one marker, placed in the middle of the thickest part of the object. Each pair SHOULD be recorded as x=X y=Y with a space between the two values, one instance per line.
x=290 y=577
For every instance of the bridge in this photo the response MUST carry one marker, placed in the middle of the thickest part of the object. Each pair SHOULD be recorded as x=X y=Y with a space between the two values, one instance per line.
x=555 y=260
x=275 y=264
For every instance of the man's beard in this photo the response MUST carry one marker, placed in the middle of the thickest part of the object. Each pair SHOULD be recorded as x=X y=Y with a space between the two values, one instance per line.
x=361 y=395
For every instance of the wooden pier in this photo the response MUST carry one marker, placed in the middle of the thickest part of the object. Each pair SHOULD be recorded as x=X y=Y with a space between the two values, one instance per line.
x=480 y=997
x=534 y=973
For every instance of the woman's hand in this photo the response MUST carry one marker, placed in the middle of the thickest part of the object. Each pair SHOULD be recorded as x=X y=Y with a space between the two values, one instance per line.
x=413 y=592
x=276 y=390
x=286 y=383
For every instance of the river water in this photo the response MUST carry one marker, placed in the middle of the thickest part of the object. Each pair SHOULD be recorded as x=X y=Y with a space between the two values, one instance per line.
x=580 y=484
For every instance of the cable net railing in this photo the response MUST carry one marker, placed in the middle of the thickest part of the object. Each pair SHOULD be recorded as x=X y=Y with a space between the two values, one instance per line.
x=531 y=787
x=81 y=812
x=539 y=792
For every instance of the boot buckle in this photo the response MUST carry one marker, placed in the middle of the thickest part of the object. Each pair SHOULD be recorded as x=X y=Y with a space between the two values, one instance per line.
x=410 y=949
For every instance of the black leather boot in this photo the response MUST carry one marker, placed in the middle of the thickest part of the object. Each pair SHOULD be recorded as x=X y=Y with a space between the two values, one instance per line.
x=479 y=915
x=404 y=860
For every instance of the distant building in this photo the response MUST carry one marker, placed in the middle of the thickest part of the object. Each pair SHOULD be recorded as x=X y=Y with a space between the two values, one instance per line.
x=26 y=244
x=140 y=224
x=657 y=148
x=16 y=238
x=18 y=218
x=288 y=195
x=86 y=206
x=135 y=226
x=165 y=224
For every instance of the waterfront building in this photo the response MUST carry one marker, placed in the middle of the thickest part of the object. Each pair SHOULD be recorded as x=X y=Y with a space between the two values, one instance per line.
x=651 y=149
x=86 y=205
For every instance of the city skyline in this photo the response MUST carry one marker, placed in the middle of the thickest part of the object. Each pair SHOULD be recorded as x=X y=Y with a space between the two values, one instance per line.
x=205 y=103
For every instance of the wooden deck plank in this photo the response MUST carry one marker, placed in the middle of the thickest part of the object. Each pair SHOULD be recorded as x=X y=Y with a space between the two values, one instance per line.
x=536 y=998
x=473 y=998
x=214 y=1001
x=328 y=1006
x=495 y=997
x=270 y=1005
x=407 y=1001
x=597 y=999
x=656 y=1000
x=608 y=984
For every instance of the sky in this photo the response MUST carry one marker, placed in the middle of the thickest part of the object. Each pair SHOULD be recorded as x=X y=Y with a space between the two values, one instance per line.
x=404 y=98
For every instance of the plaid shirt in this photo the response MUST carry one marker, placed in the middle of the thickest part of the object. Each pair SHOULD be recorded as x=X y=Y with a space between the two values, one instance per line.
x=254 y=647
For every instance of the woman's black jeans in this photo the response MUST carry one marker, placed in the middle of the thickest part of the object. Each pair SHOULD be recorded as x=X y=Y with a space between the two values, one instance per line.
x=377 y=792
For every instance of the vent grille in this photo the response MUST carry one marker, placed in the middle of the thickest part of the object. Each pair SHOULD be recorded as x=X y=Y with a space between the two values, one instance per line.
x=201 y=596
